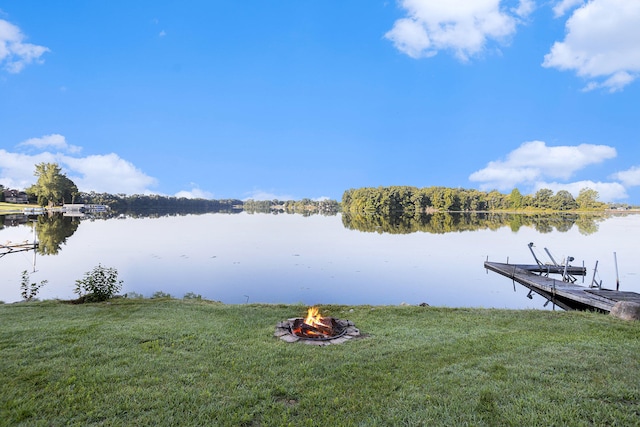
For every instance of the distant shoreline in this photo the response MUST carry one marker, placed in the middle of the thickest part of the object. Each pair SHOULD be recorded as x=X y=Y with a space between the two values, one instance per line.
x=14 y=208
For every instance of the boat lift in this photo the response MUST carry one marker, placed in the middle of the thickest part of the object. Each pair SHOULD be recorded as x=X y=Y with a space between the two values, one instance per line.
x=555 y=267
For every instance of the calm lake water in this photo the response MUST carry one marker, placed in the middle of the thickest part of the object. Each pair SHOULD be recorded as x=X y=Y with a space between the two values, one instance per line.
x=290 y=258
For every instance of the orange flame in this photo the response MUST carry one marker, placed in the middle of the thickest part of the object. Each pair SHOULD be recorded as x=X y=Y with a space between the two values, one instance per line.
x=314 y=318
x=315 y=324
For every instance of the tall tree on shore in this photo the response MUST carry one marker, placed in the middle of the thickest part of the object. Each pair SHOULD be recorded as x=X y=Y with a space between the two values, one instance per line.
x=562 y=201
x=542 y=198
x=588 y=199
x=515 y=199
x=53 y=187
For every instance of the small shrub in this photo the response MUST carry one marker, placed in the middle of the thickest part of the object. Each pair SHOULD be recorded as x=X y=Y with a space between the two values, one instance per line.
x=99 y=284
x=160 y=294
x=133 y=295
x=191 y=295
x=30 y=290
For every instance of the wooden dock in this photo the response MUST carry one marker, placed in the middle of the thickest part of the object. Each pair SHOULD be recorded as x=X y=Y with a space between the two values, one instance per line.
x=567 y=295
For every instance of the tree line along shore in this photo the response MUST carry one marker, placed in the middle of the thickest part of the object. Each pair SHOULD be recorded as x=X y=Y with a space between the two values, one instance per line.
x=54 y=188
x=412 y=199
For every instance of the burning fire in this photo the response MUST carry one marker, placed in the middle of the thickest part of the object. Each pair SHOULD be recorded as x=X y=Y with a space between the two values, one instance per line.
x=314 y=319
x=314 y=325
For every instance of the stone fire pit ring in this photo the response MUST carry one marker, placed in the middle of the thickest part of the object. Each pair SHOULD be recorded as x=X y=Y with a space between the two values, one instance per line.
x=346 y=330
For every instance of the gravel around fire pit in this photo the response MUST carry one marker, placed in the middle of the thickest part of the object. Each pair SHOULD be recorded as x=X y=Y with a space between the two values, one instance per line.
x=347 y=327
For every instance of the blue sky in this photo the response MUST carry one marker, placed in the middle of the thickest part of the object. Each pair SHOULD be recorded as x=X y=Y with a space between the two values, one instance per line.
x=297 y=98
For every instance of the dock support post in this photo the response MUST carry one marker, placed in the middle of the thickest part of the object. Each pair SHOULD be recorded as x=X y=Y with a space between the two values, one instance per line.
x=615 y=261
x=565 y=277
x=593 y=279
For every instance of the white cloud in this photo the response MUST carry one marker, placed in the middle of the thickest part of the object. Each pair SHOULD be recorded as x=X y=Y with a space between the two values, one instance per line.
x=461 y=26
x=630 y=177
x=410 y=37
x=602 y=43
x=55 y=141
x=107 y=174
x=565 y=5
x=525 y=8
x=16 y=170
x=264 y=195
x=195 y=193
x=607 y=191
x=14 y=53
x=101 y=173
x=534 y=162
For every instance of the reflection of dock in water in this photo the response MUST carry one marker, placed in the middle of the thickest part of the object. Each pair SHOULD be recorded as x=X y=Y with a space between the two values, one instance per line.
x=25 y=246
x=563 y=291
x=8 y=248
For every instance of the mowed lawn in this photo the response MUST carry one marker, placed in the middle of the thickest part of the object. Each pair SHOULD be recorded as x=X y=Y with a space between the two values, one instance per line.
x=192 y=362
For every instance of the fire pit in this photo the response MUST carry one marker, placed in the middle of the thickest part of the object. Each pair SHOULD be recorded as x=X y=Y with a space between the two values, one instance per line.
x=316 y=329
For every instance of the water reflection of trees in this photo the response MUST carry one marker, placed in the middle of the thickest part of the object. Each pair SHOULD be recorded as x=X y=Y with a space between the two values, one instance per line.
x=53 y=231
x=448 y=222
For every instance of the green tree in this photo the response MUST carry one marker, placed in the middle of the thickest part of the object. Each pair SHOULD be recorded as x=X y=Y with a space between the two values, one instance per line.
x=494 y=199
x=527 y=200
x=53 y=187
x=563 y=200
x=70 y=190
x=451 y=200
x=588 y=199
x=515 y=199
x=542 y=198
x=436 y=194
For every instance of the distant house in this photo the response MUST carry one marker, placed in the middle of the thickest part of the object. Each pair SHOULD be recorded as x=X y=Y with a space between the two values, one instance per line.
x=15 y=196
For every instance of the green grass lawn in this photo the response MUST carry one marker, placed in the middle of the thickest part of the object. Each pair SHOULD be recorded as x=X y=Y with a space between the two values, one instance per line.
x=191 y=362
x=14 y=207
x=9 y=207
